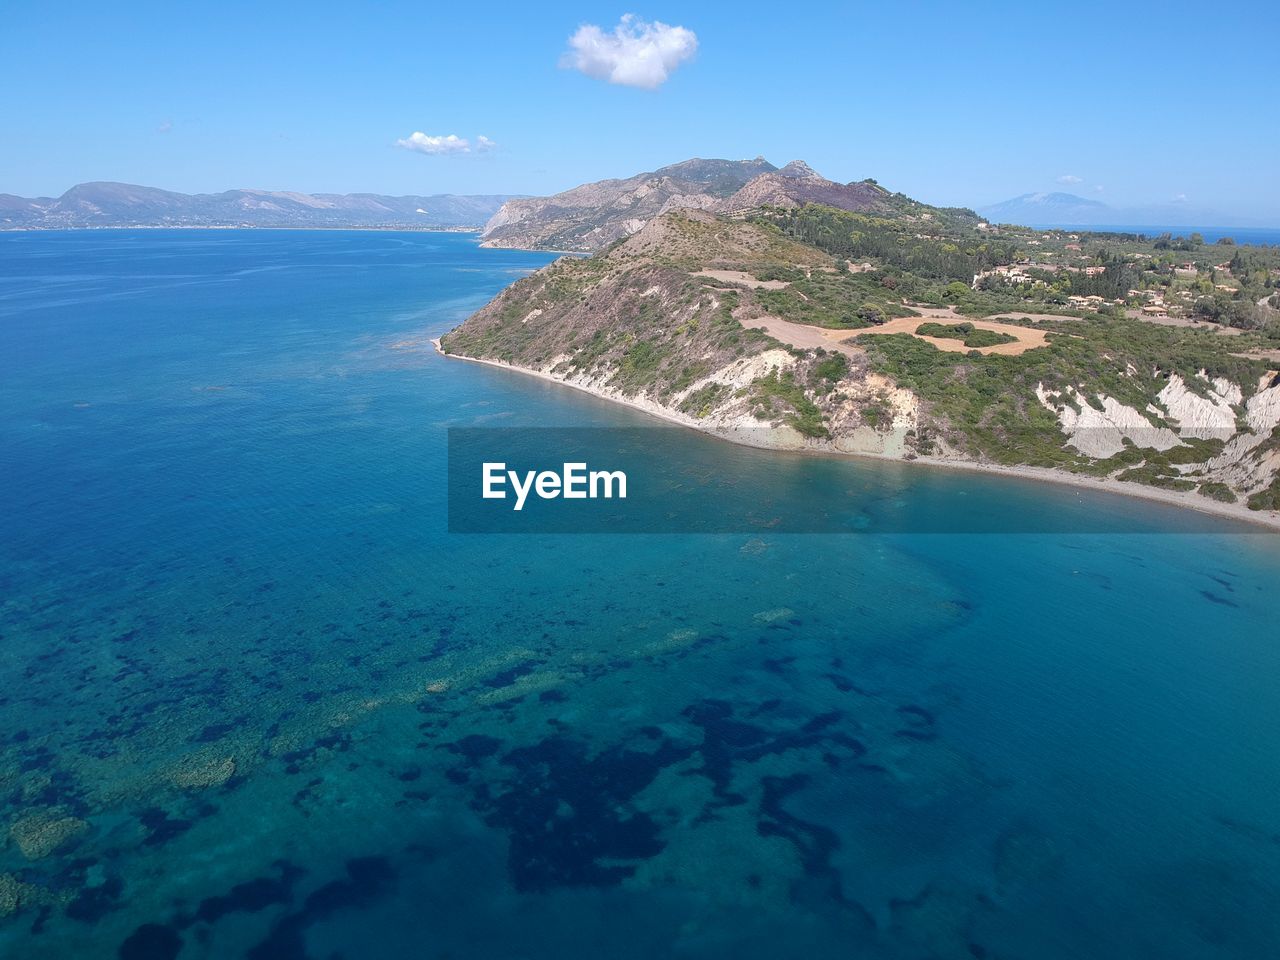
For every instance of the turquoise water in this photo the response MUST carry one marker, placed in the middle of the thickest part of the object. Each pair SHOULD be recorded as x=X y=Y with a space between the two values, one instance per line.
x=256 y=701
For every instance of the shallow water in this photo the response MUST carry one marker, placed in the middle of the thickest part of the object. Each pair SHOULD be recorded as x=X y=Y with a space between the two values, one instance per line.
x=256 y=701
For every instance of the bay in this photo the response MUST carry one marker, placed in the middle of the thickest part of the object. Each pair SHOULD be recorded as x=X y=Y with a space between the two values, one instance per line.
x=256 y=700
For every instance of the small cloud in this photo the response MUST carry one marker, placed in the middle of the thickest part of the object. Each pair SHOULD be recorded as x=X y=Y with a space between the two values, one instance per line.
x=165 y=126
x=1070 y=178
x=1179 y=198
x=636 y=54
x=1099 y=188
x=451 y=145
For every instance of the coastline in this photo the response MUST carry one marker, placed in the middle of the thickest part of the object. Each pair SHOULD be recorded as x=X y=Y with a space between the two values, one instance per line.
x=1266 y=520
x=384 y=228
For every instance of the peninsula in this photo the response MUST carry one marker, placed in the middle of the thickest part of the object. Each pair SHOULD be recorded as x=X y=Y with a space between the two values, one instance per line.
x=777 y=308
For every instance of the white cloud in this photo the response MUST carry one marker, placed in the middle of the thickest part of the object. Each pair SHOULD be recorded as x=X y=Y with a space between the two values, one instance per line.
x=165 y=126
x=1179 y=198
x=450 y=145
x=1070 y=178
x=636 y=54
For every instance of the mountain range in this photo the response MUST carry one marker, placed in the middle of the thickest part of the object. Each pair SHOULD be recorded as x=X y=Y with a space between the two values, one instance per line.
x=107 y=204
x=593 y=216
x=585 y=219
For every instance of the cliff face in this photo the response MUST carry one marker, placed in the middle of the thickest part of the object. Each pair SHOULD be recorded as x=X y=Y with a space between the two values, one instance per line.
x=797 y=184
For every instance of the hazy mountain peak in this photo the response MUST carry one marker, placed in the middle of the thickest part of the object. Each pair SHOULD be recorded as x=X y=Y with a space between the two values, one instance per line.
x=1067 y=209
x=1059 y=199
x=1053 y=207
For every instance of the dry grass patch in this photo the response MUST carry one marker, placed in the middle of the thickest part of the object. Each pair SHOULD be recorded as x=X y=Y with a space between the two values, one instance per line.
x=1029 y=338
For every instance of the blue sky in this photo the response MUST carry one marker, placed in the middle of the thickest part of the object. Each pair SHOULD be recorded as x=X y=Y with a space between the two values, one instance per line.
x=953 y=104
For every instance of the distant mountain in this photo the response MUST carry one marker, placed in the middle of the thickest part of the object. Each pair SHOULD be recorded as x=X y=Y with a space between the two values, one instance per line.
x=1049 y=208
x=106 y=204
x=594 y=215
x=1068 y=210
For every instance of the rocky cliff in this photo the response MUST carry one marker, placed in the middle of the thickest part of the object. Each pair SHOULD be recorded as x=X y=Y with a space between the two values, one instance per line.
x=797 y=184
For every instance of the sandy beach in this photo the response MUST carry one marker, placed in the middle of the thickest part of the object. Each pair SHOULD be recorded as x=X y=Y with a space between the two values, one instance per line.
x=1267 y=520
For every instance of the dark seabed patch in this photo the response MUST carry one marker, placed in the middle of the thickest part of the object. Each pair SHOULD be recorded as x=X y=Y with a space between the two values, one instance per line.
x=368 y=878
x=151 y=941
x=252 y=895
x=566 y=812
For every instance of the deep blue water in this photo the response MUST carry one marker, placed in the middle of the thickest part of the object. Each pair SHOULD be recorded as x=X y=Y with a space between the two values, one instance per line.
x=1269 y=236
x=256 y=701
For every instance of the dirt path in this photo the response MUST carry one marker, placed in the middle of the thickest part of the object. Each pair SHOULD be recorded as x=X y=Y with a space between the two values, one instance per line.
x=806 y=337
x=742 y=279
x=1184 y=322
x=1033 y=317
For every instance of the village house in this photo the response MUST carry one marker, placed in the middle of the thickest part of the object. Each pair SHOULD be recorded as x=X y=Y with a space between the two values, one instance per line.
x=1015 y=273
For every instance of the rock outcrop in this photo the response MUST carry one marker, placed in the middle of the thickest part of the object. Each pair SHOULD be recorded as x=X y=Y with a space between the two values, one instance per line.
x=797 y=184
x=40 y=833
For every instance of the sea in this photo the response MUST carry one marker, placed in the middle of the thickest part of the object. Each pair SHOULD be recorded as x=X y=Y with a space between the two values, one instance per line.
x=1254 y=236
x=257 y=700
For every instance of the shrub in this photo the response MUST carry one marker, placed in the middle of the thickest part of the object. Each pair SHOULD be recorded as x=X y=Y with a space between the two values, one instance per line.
x=1217 y=491
x=966 y=333
x=773 y=389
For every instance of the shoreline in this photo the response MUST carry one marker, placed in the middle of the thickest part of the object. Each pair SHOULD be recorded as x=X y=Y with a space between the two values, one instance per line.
x=487 y=245
x=372 y=228
x=1268 y=520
